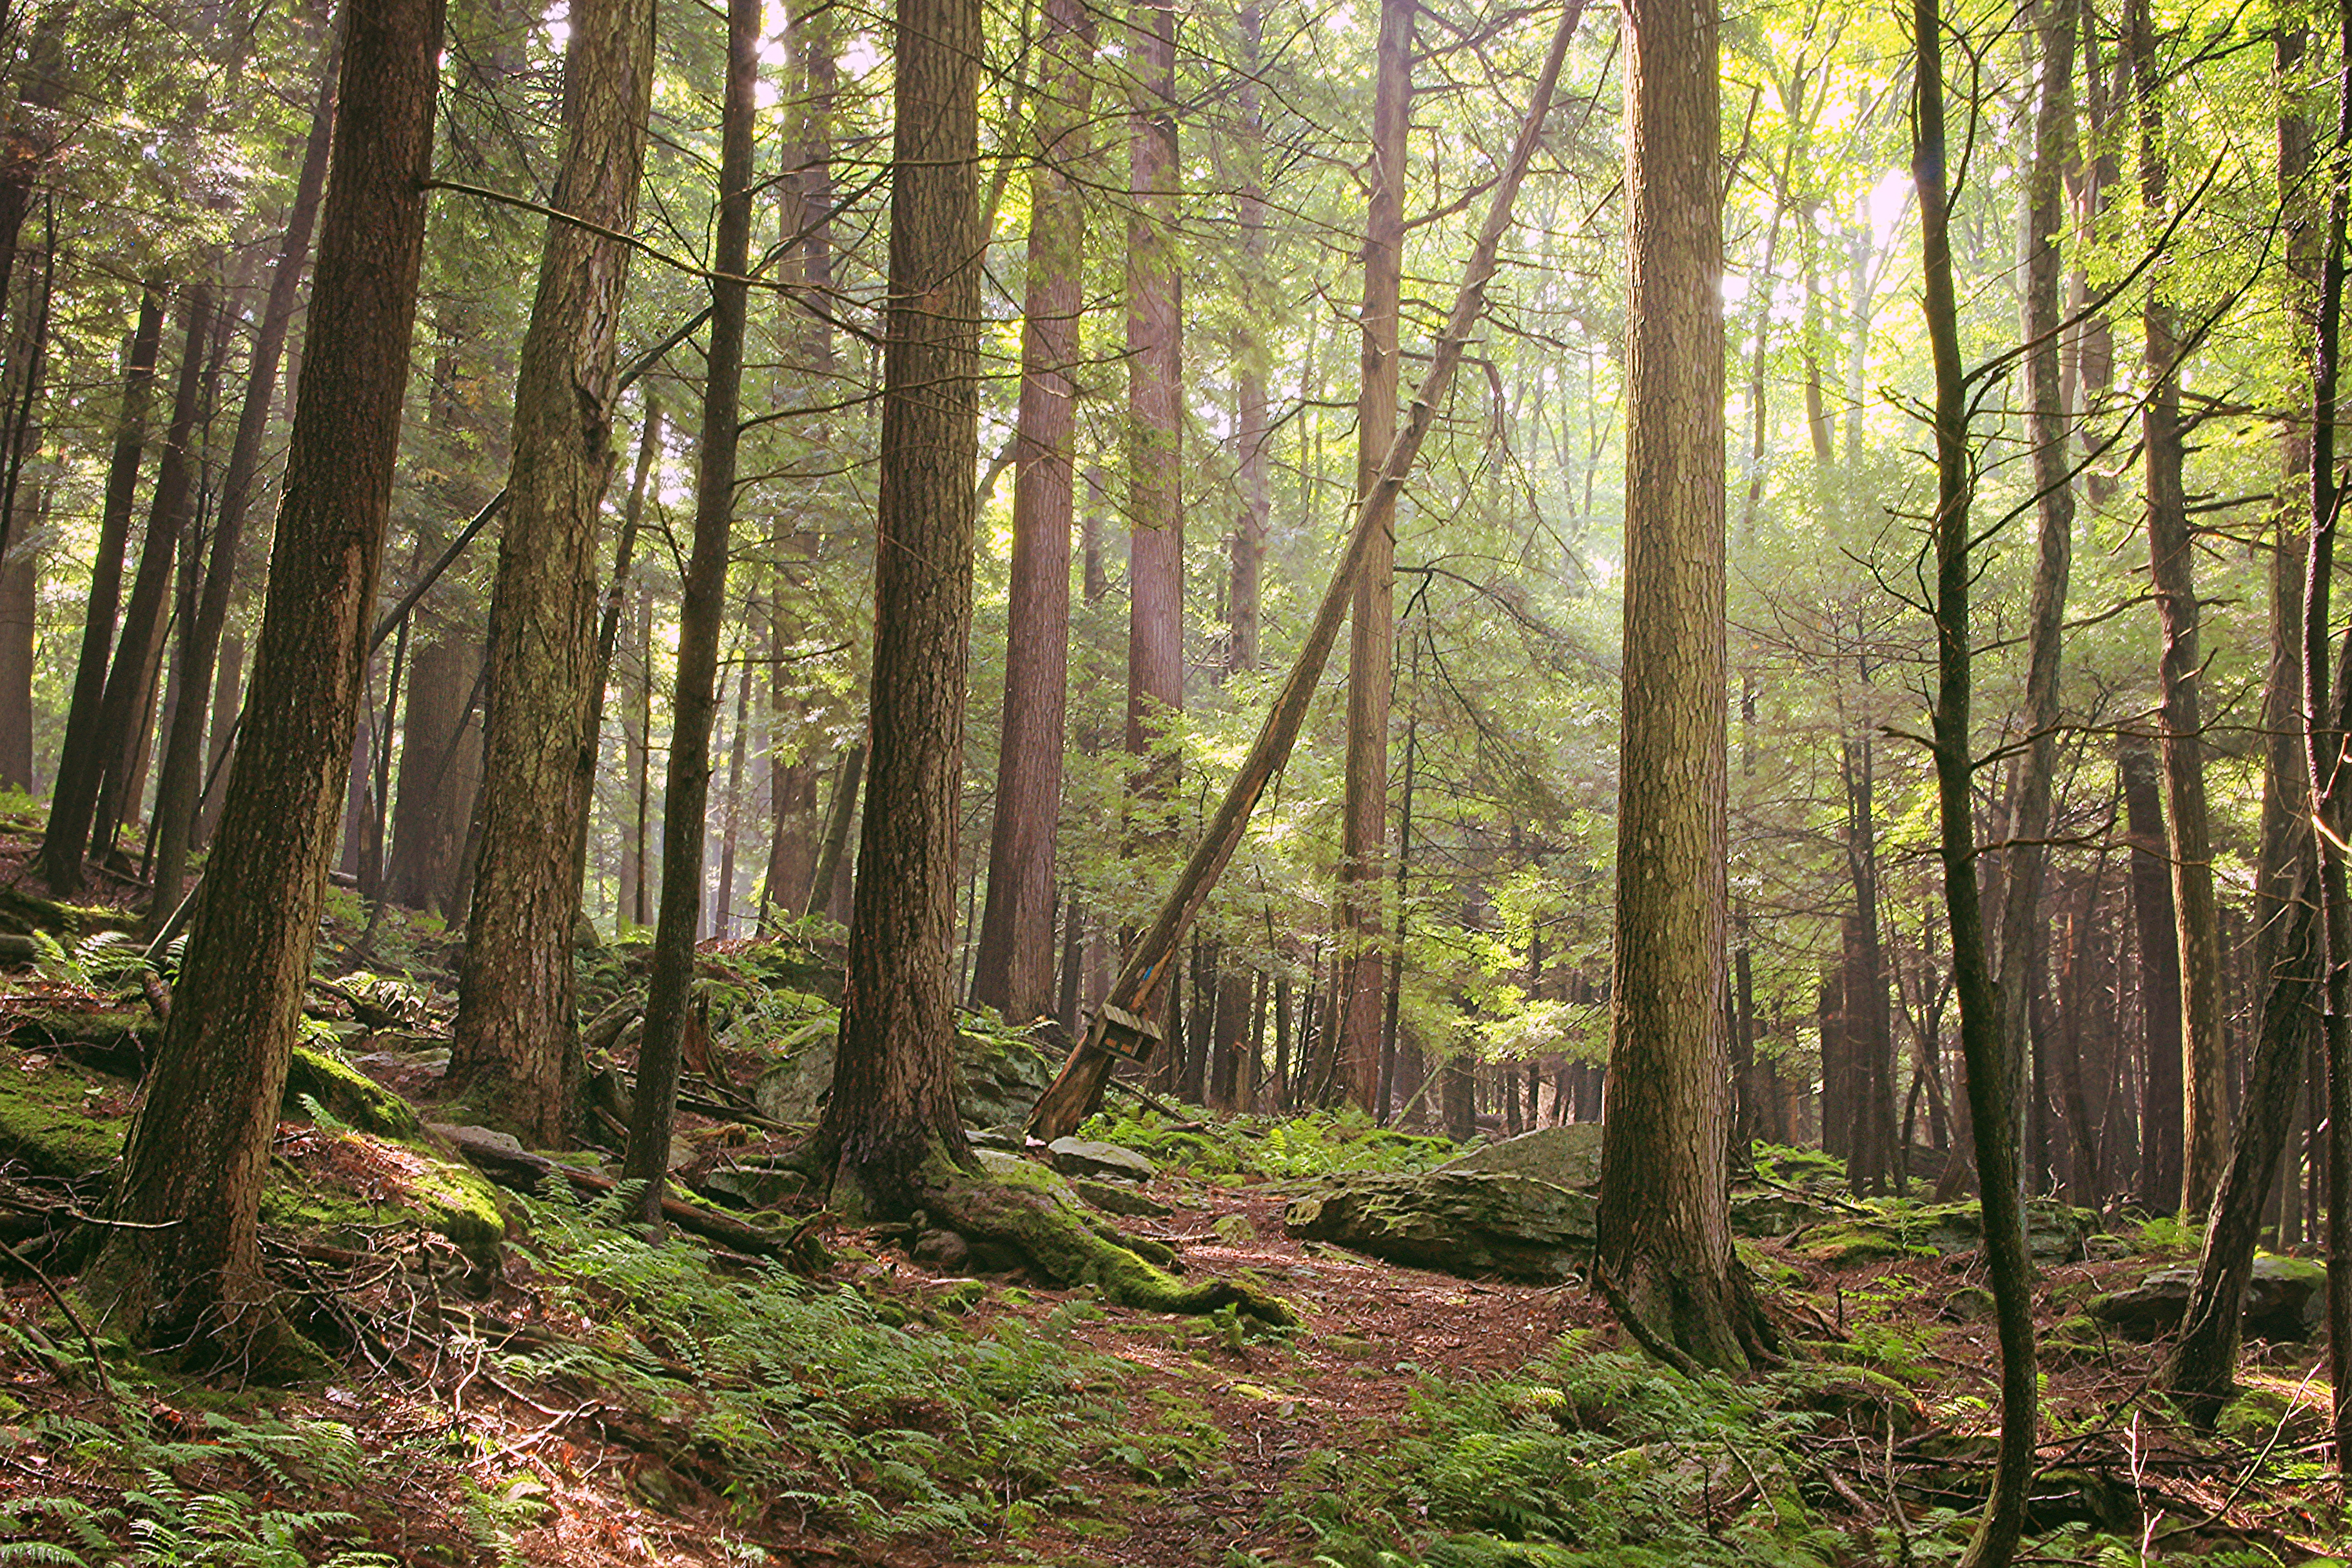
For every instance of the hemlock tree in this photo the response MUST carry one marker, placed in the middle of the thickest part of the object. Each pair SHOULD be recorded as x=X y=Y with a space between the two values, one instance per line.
x=187 y=1272
x=1663 y=1252
x=514 y=1033
x=892 y=1114
x=1013 y=970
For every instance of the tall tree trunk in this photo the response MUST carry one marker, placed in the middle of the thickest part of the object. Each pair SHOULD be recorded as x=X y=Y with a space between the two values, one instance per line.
x=2204 y=1052
x=629 y=898
x=514 y=1027
x=178 y=786
x=1155 y=574
x=187 y=1270
x=892 y=1112
x=1357 y=999
x=2158 y=973
x=122 y=713
x=2023 y=863
x=1664 y=1250
x=1991 y=1115
x=2327 y=721
x=1251 y=428
x=1014 y=968
x=75 y=793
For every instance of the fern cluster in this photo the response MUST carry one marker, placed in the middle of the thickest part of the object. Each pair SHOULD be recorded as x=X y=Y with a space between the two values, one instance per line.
x=1584 y=1457
x=809 y=1402
x=161 y=1522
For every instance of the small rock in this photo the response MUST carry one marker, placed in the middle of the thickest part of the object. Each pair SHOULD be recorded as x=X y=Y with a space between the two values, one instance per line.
x=942 y=1249
x=458 y=1133
x=1087 y=1157
x=1969 y=1304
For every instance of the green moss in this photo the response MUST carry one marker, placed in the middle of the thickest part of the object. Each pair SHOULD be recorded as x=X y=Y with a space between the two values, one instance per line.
x=45 y=1125
x=348 y=1095
x=452 y=1199
x=1845 y=1243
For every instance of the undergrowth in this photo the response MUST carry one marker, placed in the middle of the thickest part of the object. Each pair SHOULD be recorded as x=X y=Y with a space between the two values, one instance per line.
x=1319 y=1143
x=180 y=1500
x=802 y=1399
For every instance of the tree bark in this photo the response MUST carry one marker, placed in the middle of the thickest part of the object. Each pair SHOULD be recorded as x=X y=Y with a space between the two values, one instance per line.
x=122 y=713
x=178 y=784
x=514 y=1027
x=1014 y=968
x=1991 y=1114
x=2204 y=1052
x=1357 y=999
x=2158 y=973
x=892 y=1112
x=702 y=612
x=1664 y=1250
x=75 y=794
x=186 y=1272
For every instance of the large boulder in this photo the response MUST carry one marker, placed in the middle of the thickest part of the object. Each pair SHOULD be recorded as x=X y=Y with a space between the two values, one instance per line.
x=1470 y=1222
x=1566 y=1156
x=2285 y=1298
x=1089 y=1157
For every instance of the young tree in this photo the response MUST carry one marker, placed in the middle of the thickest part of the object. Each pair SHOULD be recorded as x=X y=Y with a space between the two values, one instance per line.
x=686 y=795
x=1664 y=1250
x=892 y=1114
x=514 y=1027
x=185 y=1270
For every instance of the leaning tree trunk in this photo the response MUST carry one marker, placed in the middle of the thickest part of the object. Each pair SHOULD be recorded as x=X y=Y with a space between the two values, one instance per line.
x=185 y=1269
x=1992 y=1117
x=514 y=1027
x=1662 y=1256
x=702 y=614
x=1014 y=968
x=892 y=1113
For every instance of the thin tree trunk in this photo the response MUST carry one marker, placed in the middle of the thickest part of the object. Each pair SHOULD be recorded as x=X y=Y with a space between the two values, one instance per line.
x=2204 y=1114
x=1991 y=1115
x=2158 y=973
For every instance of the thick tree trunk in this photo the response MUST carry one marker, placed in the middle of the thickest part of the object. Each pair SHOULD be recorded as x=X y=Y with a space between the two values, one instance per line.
x=1356 y=998
x=892 y=1112
x=2204 y=1052
x=514 y=1027
x=1014 y=969
x=1664 y=1254
x=186 y=1270
x=1991 y=1114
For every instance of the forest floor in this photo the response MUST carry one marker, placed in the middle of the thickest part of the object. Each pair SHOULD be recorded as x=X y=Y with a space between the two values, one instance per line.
x=578 y=1396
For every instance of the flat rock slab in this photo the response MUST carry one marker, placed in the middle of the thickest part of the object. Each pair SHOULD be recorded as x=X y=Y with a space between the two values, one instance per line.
x=1566 y=1156
x=1468 y=1223
x=2285 y=1298
x=1087 y=1157
x=1121 y=1198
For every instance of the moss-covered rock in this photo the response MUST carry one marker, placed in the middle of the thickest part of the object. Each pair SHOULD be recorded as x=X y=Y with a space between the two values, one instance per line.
x=1567 y=1156
x=2285 y=1298
x=350 y=1184
x=1469 y=1223
x=2055 y=1233
x=348 y=1095
x=50 y=1120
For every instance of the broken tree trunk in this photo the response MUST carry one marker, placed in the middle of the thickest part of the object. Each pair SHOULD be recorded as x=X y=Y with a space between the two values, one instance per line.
x=1077 y=1089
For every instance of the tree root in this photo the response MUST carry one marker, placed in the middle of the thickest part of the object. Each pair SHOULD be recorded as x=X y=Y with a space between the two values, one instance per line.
x=1068 y=1250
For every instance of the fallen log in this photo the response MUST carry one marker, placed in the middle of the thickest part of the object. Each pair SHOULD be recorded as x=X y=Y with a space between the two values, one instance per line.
x=523 y=1171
